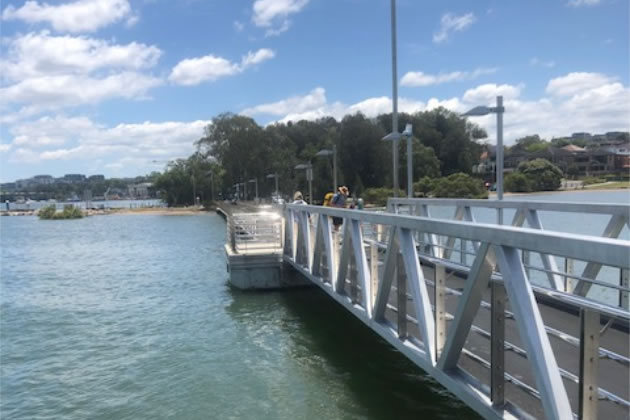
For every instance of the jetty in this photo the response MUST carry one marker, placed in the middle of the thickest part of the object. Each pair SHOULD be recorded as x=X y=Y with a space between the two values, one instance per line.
x=502 y=315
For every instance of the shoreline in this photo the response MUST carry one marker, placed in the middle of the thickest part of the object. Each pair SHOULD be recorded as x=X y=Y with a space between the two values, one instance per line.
x=493 y=194
x=157 y=211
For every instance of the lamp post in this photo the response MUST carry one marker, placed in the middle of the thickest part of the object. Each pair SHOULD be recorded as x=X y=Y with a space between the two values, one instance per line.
x=275 y=175
x=255 y=181
x=309 y=177
x=394 y=136
x=333 y=152
x=408 y=133
x=499 y=110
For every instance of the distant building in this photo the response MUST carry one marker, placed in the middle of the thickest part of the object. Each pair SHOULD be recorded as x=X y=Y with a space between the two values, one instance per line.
x=73 y=178
x=141 y=190
x=43 y=179
x=96 y=178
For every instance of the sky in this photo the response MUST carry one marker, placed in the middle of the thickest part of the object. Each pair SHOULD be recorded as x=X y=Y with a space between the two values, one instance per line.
x=120 y=87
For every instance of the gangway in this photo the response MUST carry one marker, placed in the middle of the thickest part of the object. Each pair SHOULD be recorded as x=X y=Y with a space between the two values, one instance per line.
x=505 y=345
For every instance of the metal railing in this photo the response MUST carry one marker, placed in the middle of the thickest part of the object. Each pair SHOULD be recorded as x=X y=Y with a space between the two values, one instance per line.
x=377 y=278
x=254 y=232
x=576 y=277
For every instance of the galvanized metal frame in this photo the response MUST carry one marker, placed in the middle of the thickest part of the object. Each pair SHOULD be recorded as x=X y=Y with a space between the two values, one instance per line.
x=502 y=243
x=528 y=211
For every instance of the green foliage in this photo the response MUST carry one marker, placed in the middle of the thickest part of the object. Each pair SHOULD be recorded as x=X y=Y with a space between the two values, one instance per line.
x=186 y=179
x=517 y=182
x=459 y=185
x=590 y=180
x=542 y=174
x=68 y=212
x=379 y=196
x=424 y=186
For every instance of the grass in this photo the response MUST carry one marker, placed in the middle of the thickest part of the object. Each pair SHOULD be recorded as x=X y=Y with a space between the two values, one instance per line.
x=609 y=185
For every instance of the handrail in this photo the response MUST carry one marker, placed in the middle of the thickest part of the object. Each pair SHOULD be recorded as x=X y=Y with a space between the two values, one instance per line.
x=568 y=207
x=613 y=252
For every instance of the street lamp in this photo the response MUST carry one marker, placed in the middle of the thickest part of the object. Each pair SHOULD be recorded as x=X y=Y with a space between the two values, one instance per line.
x=276 y=178
x=333 y=152
x=408 y=133
x=255 y=180
x=394 y=135
x=499 y=110
x=309 y=177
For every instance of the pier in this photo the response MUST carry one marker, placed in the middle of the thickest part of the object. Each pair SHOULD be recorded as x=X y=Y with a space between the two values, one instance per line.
x=503 y=316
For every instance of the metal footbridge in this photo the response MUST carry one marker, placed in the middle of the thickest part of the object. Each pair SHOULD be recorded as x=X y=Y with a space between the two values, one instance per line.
x=515 y=320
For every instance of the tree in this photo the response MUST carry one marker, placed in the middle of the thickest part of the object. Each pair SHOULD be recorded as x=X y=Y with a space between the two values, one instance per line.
x=542 y=174
x=459 y=185
x=517 y=182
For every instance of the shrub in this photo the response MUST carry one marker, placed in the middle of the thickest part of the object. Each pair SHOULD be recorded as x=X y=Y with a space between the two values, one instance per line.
x=517 y=182
x=459 y=185
x=424 y=185
x=379 y=196
x=542 y=174
x=47 y=212
x=51 y=213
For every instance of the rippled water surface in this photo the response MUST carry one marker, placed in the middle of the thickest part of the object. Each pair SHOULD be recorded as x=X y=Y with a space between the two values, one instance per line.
x=130 y=317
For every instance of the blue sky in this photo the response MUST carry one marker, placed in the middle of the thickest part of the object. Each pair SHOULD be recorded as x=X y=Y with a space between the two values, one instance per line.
x=118 y=87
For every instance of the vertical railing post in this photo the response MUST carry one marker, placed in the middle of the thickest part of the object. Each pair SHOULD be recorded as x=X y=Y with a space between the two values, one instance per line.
x=624 y=281
x=462 y=251
x=497 y=346
x=568 y=270
x=526 y=261
x=401 y=300
x=354 y=289
x=374 y=272
x=440 y=309
x=589 y=360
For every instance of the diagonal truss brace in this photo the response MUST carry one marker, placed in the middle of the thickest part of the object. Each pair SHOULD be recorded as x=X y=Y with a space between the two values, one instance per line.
x=532 y=331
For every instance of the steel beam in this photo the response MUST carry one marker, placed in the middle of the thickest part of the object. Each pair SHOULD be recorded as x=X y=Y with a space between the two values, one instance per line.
x=589 y=360
x=532 y=332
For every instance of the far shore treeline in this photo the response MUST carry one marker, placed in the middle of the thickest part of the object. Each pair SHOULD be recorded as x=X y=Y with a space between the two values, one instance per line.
x=235 y=149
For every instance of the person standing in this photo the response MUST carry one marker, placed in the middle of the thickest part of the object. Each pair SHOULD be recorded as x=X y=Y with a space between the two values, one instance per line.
x=298 y=198
x=339 y=201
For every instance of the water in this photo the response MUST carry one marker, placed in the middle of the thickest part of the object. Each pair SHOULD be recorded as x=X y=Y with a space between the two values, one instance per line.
x=130 y=317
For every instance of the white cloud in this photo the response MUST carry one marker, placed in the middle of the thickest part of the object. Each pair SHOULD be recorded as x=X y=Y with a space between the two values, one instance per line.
x=597 y=104
x=487 y=93
x=314 y=99
x=54 y=92
x=5 y=147
x=238 y=26
x=450 y=23
x=537 y=62
x=418 y=78
x=79 y=16
x=578 y=3
x=253 y=58
x=193 y=71
x=41 y=54
x=573 y=83
x=273 y=14
x=46 y=72
x=36 y=141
